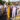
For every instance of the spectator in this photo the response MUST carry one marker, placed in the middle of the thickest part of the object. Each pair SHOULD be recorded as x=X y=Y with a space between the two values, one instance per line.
x=5 y=8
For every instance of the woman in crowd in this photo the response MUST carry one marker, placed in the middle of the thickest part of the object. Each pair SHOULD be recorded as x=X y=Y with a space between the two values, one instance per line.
x=8 y=11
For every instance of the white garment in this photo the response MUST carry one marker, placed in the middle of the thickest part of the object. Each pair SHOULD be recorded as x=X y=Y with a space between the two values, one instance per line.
x=13 y=11
x=0 y=9
x=5 y=6
x=0 y=6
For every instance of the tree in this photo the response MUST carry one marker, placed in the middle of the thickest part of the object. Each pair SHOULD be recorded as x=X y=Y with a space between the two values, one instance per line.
x=0 y=0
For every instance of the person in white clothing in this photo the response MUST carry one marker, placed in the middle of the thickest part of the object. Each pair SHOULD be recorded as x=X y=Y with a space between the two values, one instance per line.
x=1 y=6
x=13 y=10
x=5 y=8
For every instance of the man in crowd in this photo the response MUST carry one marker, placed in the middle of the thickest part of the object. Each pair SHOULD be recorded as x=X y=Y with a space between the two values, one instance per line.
x=13 y=9
x=5 y=8
x=1 y=6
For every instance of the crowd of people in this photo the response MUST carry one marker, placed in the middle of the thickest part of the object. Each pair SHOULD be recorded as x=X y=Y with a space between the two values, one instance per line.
x=9 y=10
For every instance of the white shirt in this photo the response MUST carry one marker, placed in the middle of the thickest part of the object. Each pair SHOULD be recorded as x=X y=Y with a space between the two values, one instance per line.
x=5 y=6
x=14 y=7
x=0 y=6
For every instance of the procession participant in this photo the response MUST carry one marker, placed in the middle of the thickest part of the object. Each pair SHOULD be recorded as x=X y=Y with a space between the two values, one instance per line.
x=1 y=6
x=14 y=10
x=8 y=12
x=5 y=8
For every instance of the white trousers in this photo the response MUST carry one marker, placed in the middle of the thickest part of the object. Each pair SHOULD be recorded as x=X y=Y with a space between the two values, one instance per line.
x=13 y=12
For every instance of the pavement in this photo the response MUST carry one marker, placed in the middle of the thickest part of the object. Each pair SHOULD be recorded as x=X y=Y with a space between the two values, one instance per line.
x=12 y=18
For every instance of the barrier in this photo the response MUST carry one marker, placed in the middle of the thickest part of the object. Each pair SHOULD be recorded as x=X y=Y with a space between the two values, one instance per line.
x=18 y=17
